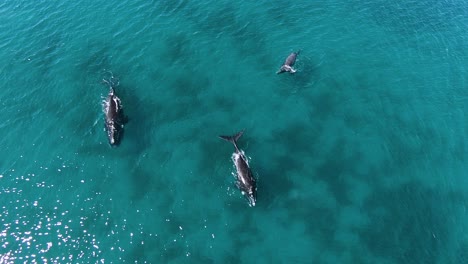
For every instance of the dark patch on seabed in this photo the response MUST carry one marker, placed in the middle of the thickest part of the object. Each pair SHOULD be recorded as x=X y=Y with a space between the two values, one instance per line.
x=335 y=168
x=178 y=48
x=274 y=182
x=321 y=223
x=221 y=103
x=409 y=223
x=189 y=84
x=325 y=104
x=297 y=138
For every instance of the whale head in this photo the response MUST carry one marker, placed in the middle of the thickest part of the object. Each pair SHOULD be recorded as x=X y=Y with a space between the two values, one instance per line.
x=252 y=196
x=113 y=132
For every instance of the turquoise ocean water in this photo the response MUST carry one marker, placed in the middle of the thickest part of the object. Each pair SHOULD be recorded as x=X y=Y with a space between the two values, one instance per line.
x=361 y=156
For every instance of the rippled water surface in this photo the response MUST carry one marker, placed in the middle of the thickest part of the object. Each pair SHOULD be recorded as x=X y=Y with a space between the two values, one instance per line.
x=360 y=156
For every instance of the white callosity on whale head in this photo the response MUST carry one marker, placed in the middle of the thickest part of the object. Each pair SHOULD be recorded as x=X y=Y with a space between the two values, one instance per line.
x=105 y=106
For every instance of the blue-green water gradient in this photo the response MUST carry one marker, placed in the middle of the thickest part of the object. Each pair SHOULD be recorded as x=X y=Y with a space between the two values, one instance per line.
x=361 y=156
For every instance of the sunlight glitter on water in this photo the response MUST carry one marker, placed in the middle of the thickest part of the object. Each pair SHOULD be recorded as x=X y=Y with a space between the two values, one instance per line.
x=31 y=228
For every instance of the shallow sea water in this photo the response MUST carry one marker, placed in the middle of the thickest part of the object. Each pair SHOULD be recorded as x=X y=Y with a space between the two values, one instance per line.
x=360 y=156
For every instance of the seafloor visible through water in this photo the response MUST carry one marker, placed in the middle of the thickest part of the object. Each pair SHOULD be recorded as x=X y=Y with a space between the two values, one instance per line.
x=360 y=156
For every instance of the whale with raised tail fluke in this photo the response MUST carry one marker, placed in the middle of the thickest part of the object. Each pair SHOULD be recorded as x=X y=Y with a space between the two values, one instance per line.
x=288 y=63
x=244 y=177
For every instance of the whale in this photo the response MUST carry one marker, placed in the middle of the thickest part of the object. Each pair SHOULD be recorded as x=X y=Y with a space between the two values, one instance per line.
x=113 y=113
x=244 y=177
x=288 y=63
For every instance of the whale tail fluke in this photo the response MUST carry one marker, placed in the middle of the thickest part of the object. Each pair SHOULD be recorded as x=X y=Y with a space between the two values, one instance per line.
x=281 y=70
x=233 y=139
x=298 y=51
